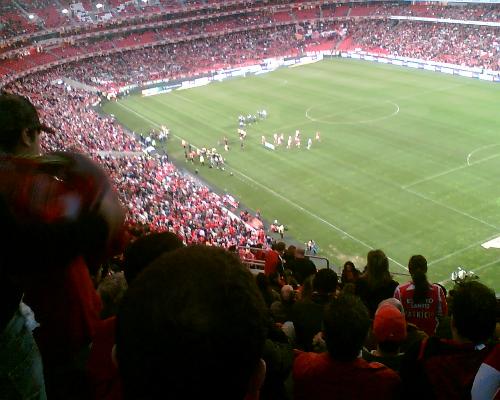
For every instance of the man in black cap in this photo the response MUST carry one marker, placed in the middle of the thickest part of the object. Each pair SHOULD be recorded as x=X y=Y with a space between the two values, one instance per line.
x=59 y=217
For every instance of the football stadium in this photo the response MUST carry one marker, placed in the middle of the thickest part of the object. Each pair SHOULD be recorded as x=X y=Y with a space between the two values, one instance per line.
x=249 y=199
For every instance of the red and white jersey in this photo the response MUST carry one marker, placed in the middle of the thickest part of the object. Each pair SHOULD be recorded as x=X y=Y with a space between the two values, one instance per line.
x=424 y=315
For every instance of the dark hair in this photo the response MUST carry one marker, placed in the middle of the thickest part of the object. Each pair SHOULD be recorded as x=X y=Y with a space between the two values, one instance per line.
x=191 y=325
x=474 y=311
x=355 y=273
x=346 y=324
x=443 y=289
x=377 y=269
x=139 y=254
x=418 y=270
x=16 y=114
x=325 y=281
x=111 y=291
x=264 y=285
x=280 y=246
x=307 y=288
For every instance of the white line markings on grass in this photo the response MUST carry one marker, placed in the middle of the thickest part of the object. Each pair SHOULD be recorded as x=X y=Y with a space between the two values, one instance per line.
x=479 y=149
x=304 y=210
x=423 y=196
x=445 y=257
x=329 y=223
x=458 y=168
x=365 y=121
x=411 y=96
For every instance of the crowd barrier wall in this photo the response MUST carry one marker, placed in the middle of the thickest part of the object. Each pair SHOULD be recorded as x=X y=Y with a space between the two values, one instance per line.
x=452 y=69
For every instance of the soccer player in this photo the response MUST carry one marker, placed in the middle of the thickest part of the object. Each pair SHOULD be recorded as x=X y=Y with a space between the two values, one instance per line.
x=263 y=140
x=309 y=143
x=275 y=137
x=289 y=145
x=317 y=136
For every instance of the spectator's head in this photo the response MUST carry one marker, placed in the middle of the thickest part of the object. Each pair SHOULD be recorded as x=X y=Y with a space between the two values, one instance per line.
x=377 y=268
x=349 y=273
x=474 y=312
x=290 y=252
x=389 y=328
x=20 y=126
x=287 y=293
x=300 y=252
x=393 y=302
x=346 y=324
x=418 y=270
x=192 y=325
x=307 y=288
x=111 y=290
x=139 y=254
x=280 y=247
x=325 y=281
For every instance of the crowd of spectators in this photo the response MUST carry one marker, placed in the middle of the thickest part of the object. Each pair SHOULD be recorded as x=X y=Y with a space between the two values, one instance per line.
x=47 y=15
x=464 y=12
x=247 y=335
x=157 y=196
x=175 y=60
x=467 y=45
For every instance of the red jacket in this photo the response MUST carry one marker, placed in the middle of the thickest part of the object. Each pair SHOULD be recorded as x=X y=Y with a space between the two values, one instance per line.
x=319 y=377
x=425 y=315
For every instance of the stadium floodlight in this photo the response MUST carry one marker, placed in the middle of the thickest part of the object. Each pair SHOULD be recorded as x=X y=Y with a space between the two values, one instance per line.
x=99 y=5
x=31 y=16
x=65 y=11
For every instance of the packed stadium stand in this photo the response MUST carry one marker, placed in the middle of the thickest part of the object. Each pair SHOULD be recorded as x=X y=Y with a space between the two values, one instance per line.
x=118 y=43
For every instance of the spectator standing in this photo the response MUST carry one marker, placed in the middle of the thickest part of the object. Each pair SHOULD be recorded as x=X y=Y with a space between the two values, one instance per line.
x=307 y=314
x=268 y=293
x=376 y=284
x=389 y=330
x=302 y=266
x=350 y=273
x=340 y=373
x=445 y=369
x=281 y=309
x=274 y=263
x=192 y=325
x=102 y=371
x=424 y=303
x=63 y=206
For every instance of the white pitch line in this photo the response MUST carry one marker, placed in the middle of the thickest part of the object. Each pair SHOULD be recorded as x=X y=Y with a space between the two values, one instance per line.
x=321 y=219
x=365 y=121
x=445 y=257
x=310 y=213
x=355 y=239
x=406 y=187
x=423 y=196
x=451 y=170
x=479 y=149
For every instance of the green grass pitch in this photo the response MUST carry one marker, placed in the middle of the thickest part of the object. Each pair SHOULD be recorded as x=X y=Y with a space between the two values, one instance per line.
x=409 y=161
